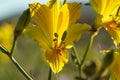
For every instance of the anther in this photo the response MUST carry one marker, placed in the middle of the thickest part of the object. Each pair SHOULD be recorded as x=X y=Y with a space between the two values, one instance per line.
x=54 y=39
x=56 y=35
x=64 y=35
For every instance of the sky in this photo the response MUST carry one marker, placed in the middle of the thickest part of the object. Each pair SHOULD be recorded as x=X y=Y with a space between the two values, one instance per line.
x=10 y=8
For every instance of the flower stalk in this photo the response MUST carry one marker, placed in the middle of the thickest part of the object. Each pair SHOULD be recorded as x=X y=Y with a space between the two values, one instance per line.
x=20 y=68
x=90 y=41
x=13 y=46
x=50 y=74
x=4 y=50
x=76 y=56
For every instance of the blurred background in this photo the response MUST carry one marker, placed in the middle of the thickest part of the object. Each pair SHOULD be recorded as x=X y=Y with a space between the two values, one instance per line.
x=29 y=55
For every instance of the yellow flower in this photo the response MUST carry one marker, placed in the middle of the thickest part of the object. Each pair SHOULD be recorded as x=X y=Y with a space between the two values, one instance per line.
x=55 y=30
x=6 y=38
x=116 y=66
x=108 y=15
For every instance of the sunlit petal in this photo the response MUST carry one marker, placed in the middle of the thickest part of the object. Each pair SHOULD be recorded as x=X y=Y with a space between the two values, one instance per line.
x=74 y=32
x=114 y=32
x=74 y=12
x=6 y=38
x=42 y=16
x=55 y=9
x=69 y=14
x=106 y=8
x=37 y=34
x=56 y=60
x=116 y=66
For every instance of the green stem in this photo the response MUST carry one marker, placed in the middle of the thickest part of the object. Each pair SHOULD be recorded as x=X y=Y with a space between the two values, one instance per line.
x=76 y=54
x=4 y=50
x=50 y=74
x=87 y=50
x=20 y=68
x=77 y=57
x=13 y=46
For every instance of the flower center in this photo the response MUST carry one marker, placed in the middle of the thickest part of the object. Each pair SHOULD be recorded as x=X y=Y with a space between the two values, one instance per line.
x=59 y=47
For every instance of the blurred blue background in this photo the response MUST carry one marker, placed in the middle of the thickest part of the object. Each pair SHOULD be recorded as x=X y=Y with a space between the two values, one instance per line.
x=9 y=8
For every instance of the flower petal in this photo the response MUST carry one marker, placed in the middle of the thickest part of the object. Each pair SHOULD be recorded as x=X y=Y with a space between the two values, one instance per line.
x=74 y=32
x=74 y=12
x=42 y=16
x=37 y=34
x=68 y=15
x=114 y=31
x=54 y=6
x=6 y=39
x=6 y=36
x=105 y=8
x=116 y=66
x=56 y=60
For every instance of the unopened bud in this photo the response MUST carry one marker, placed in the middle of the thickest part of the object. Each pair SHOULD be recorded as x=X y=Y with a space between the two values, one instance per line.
x=22 y=22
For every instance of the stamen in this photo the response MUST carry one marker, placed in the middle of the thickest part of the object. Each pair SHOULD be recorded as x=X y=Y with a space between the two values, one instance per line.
x=56 y=35
x=59 y=47
x=54 y=40
x=118 y=25
x=64 y=35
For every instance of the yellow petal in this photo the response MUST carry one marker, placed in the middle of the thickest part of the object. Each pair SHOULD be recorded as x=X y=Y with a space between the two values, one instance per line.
x=6 y=38
x=105 y=8
x=56 y=60
x=36 y=33
x=98 y=21
x=74 y=12
x=42 y=16
x=116 y=66
x=74 y=33
x=69 y=14
x=109 y=6
x=114 y=32
x=55 y=9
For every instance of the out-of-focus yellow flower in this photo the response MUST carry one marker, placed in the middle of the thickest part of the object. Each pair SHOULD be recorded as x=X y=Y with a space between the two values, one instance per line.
x=6 y=38
x=116 y=66
x=56 y=30
x=108 y=14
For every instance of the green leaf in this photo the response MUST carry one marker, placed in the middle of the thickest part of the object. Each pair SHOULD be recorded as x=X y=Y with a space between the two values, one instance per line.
x=22 y=22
